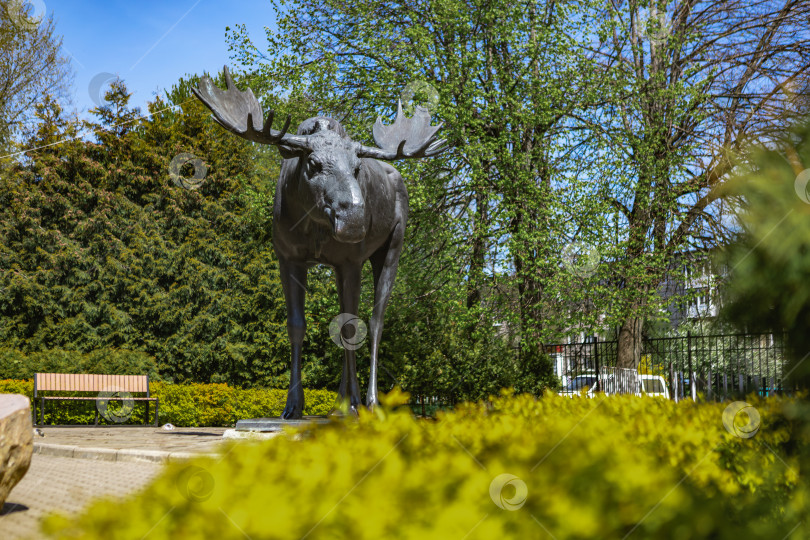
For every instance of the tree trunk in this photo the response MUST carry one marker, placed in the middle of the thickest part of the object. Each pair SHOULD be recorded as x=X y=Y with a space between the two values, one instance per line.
x=629 y=346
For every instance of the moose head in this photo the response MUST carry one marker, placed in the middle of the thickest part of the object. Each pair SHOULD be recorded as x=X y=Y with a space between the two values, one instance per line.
x=335 y=204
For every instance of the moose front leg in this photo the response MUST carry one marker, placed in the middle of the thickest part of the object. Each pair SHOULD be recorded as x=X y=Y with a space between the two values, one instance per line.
x=348 y=285
x=384 y=265
x=294 y=282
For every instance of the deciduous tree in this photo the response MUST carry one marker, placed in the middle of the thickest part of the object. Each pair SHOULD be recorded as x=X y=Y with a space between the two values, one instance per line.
x=32 y=66
x=688 y=84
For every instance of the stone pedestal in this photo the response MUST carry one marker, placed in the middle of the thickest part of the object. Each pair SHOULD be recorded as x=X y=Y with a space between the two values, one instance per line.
x=269 y=425
x=16 y=441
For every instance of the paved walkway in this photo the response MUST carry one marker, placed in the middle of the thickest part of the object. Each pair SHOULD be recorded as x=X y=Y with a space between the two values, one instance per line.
x=66 y=485
x=71 y=466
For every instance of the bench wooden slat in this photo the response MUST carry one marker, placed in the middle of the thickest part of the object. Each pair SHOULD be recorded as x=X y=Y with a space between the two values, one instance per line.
x=67 y=382
x=61 y=398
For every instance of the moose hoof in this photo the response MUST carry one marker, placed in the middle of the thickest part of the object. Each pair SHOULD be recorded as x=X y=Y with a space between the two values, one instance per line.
x=294 y=409
x=292 y=412
x=341 y=412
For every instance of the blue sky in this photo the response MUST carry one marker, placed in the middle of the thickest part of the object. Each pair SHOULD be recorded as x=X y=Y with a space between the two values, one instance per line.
x=148 y=43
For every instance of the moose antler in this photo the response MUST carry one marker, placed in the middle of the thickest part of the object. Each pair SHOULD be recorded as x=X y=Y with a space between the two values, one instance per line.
x=240 y=113
x=406 y=138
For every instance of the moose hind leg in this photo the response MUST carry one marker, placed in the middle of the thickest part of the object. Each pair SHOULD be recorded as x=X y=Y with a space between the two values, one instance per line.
x=384 y=263
x=294 y=282
x=350 y=327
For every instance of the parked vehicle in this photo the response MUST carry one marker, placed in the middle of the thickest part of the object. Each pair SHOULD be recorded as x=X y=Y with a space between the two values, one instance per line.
x=654 y=385
x=586 y=381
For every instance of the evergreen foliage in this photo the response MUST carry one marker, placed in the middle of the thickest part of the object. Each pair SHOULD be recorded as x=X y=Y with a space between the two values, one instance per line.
x=101 y=251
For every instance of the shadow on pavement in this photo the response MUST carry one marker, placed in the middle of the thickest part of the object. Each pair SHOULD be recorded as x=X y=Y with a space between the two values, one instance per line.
x=195 y=433
x=10 y=508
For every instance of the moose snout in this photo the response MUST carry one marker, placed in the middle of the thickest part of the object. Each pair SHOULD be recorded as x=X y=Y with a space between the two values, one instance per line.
x=348 y=221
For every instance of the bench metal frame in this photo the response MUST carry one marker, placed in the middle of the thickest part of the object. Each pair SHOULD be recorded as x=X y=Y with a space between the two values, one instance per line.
x=82 y=382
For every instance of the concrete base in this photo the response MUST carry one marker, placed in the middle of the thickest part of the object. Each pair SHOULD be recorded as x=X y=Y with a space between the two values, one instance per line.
x=250 y=435
x=275 y=424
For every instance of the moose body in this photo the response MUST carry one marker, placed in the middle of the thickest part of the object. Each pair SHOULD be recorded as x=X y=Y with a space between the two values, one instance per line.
x=337 y=204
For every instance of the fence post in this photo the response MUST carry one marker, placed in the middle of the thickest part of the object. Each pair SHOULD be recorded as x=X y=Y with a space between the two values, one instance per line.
x=672 y=385
x=676 y=387
x=710 y=382
x=691 y=373
x=596 y=363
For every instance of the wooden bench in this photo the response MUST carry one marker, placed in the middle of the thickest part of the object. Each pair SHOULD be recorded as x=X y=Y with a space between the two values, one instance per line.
x=106 y=387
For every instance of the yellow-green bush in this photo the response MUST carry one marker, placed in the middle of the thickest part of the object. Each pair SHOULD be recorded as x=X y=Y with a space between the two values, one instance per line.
x=186 y=405
x=618 y=467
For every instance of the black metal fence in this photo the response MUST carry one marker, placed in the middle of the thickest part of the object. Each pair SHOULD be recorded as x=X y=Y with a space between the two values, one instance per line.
x=714 y=366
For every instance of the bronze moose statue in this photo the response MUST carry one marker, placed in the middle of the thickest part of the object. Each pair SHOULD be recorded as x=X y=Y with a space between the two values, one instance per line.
x=337 y=204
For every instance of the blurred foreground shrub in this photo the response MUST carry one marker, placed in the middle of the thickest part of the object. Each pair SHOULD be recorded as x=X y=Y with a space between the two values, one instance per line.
x=767 y=286
x=184 y=405
x=617 y=467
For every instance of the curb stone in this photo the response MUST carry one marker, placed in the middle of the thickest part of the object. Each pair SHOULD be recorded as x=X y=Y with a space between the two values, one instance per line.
x=120 y=455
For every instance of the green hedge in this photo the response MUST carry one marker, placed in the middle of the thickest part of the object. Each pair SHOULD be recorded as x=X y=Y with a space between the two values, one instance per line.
x=616 y=467
x=184 y=405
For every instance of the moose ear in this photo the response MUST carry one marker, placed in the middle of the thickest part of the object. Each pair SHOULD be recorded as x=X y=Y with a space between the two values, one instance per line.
x=288 y=152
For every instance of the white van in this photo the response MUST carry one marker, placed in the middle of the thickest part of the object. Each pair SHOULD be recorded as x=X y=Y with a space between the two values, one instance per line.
x=653 y=385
